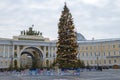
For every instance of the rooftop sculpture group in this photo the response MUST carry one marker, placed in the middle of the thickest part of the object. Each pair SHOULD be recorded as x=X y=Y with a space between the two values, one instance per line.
x=31 y=32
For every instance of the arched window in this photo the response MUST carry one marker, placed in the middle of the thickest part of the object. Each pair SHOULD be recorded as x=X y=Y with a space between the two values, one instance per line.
x=47 y=55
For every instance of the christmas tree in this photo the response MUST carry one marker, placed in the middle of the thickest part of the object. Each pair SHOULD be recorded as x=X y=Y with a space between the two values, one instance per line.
x=67 y=47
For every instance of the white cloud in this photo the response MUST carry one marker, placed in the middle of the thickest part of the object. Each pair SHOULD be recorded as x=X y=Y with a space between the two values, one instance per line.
x=91 y=17
x=117 y=3
x=2 y=5
x=98 y=3
x=91 y=1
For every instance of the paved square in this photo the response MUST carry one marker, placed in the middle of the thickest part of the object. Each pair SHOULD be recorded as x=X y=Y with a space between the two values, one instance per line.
x=89 y=75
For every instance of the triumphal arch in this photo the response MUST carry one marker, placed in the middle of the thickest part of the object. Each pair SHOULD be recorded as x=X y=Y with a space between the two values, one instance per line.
x=29 y=49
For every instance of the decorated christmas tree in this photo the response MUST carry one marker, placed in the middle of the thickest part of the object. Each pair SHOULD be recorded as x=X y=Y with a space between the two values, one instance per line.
x=67 y=47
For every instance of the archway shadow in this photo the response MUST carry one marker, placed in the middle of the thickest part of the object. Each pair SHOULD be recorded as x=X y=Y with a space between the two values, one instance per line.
x=36 y=56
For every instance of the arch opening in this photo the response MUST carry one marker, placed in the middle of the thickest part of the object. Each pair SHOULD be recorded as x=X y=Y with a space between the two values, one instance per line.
x=31 y=57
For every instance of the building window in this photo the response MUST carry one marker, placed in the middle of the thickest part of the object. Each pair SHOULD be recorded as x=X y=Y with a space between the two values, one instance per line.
x=15 y=47
x=108 y=53
x=99 y=54
x=21 y=47
x=113 y=46
x=95 y=62
x=104 y=53
x=114 y=53
x=50 y=55
x=15 y=54
x=86 y=48
x=47 y=55
x=6 y=63
x=104 y=61
x=82 y=54
x=2 y=63
x=91 y=62
x=86 y=54
x=109 y=61
x=115 y=61
x=91 y=53
x=95 y=54
x=54 y=55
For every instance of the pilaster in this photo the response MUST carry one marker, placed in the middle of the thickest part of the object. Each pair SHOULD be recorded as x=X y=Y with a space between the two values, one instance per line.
x=8 y=51
x=18 y=51
x=49 y=52
x=4 y=51
x=44 y=54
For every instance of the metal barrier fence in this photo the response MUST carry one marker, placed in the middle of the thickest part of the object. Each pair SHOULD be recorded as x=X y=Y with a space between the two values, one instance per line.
x=48 y=72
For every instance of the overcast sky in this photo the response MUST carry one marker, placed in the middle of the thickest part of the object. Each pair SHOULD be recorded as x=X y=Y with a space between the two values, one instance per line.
x=92 y=18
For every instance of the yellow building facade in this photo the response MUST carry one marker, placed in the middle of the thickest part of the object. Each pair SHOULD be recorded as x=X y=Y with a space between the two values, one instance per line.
x=104 y=52
x=24 y=46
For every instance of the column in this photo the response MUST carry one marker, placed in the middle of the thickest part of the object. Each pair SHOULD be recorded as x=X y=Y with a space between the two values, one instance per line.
x=4 y=51
x=44 y=57
x=18 y=55
x=52 y=58
x=48 y=51
x=52 y=52
x=8 y=51
x=55 y=52
x=44 y=54
x=13 y=51
x=18 y=51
